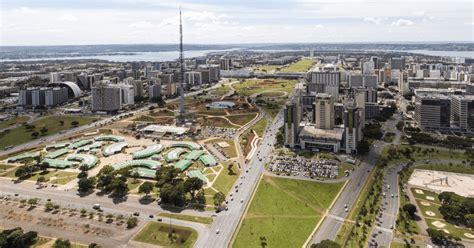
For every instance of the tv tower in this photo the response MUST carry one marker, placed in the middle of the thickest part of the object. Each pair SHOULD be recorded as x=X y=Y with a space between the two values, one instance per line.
x=182 y=112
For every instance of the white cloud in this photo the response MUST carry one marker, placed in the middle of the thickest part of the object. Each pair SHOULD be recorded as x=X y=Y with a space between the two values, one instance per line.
x=142 y=25
x=319 y=26
x=373 y=20
x=68 y=18
x=26 y=10
x=419 y=13
x=402 y=23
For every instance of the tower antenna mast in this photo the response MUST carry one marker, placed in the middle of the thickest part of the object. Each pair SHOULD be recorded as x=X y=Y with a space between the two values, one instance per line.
x=181 y=61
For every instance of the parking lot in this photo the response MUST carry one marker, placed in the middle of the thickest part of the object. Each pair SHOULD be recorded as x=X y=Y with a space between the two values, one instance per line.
x=300 y=166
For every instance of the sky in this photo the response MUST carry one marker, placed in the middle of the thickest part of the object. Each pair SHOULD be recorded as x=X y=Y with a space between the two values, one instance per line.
x=74 y=22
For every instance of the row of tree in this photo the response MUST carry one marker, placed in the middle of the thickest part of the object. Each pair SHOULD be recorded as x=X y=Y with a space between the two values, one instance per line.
x=457 y=209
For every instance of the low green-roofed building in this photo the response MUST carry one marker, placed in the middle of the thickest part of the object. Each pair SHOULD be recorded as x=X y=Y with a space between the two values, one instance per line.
x=148 y=151
x=86 y=159
x=195 y=154
x=174 y=154
x=23 y=156
x=150 y=164
x=57 y=153
x=57 y=145
x=115 y=138
x=198 y=174
x=80 y=143
x=187 y=144
x=208 y=160
x=58 y=163
x=183 y=164
x=91 y=147
x=114 y=148
x=144 y=172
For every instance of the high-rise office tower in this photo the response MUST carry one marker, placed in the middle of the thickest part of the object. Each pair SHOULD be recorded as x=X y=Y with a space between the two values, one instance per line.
x=462 y=112
x=324 y=82
x=323 y=111
x=352 y=127
x=292 y=119
x=397 y=63
x=106 y=97
x=432 y=111
x=54 y=77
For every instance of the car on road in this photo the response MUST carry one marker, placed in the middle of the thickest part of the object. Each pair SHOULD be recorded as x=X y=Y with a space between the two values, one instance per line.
x=136 y=214
x=226 y=208
x=391 y=226
x=160 y=219
x=151 y=216
x=218 y=231
x=96 y=206
x=241 y=200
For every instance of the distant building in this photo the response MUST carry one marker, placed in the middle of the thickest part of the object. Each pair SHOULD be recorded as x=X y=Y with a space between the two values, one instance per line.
x=106 y=97
x=397 y=63
x=192 y=78
x=54 y=77
x=225 y=64
x=324 y=82
x=41 y=97
x=363 y=81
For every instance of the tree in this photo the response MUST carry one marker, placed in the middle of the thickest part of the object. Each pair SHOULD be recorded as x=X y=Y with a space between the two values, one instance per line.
x=410 y=209
x=34 y=135
x=74 y=123
x=61 y=243
x=200 y=198
x=146 y=188
x=469 y=220
x=49 y=206
x=23 y=171
x=173 y=194
x=218 y=198
x=44 y=166
x=119 y=186
x=44 y=130
x=61 y=123
x=82 y=174
x=32 y=202
x=41 y=179
x=94 y=245
x=363 y=147
x=326 y=244
x=132 y=222
x=135 y=176
x=166 y=175
x=193 y=184
x=85 y=184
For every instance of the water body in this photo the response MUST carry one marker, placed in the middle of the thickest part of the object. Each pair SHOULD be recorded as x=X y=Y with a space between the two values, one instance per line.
x=464 y=54
x=140 y=56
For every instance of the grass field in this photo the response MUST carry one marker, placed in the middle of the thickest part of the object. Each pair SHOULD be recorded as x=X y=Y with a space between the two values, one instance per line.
x=21 y=135
x=266 y=68
x=260 y=127
x=225 y=181
x=433 y=207
x=302 y=65
x=241 y=119
x=217 y=122
x=252 y=86
x=161 y=112
x=199 y=219
x=158 y=234
x=13 y=121
x=213 y=112
x=53 y=177
x=273 y=107
x=284 y=212
x=221 y=90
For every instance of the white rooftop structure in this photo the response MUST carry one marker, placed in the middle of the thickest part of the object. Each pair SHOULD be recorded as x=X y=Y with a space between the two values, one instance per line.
x=165 y=129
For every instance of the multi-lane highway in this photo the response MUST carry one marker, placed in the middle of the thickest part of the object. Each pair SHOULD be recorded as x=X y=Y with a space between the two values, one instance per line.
x=226 y=222
x=334 y=220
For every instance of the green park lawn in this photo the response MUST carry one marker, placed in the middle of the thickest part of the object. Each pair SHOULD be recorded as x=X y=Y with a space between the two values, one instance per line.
x=51 y=176
x=241 y=119
x=252 y=86
x=266 y=68
x=21 y=135
x=213 y=112
x=221 y=90
x=199 y=219
x=217 y=122
x=260 y=127
x=13 y=121
x=225 y=181
x=158 y=234
x=455 y=168
x=302 y=65
x=284 y=212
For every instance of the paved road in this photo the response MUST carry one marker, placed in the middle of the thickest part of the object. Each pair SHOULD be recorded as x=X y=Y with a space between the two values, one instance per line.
x=334 y=220
x=227 y=221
